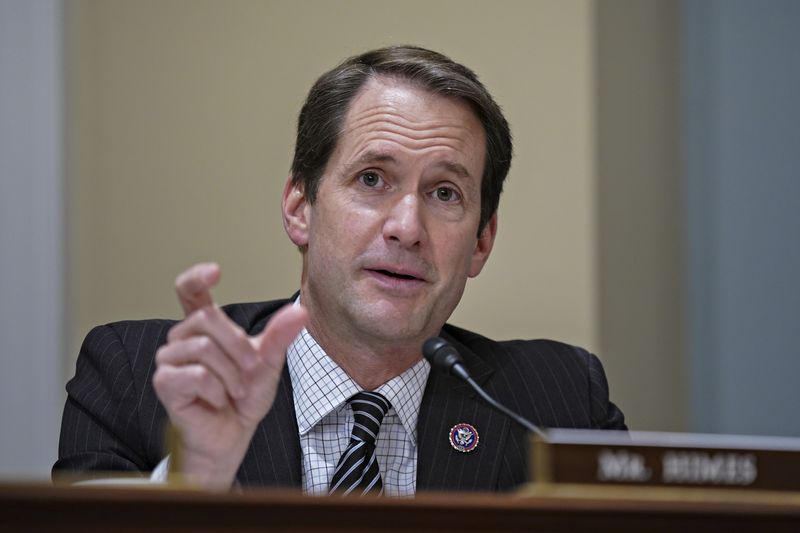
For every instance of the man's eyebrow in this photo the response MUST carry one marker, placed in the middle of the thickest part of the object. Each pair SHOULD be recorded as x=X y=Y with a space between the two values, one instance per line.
x=369 y=157
x=456 y=168
x=374 y=156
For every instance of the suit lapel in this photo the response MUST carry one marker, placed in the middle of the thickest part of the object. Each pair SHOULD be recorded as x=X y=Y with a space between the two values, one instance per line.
x=274 y=455
x=447 y=402
x=273 y=458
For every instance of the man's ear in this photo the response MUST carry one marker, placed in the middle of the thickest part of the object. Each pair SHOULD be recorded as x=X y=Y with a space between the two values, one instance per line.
x=483 y=247
x=295 y=213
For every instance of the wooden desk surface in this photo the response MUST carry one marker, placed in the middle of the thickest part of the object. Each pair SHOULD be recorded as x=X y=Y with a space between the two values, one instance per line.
x=32 y=508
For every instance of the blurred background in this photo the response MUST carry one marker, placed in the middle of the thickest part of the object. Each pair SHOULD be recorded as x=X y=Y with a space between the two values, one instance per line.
x=649 y=216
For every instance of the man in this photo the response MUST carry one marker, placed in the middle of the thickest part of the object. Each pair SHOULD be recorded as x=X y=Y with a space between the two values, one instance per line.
x=400 y=159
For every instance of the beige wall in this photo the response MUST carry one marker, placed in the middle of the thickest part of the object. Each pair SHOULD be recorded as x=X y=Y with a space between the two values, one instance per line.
x=181 y=127
x=639 y=228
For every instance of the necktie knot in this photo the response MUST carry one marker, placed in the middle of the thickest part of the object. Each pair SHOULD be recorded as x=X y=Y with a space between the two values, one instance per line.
x=369 y=408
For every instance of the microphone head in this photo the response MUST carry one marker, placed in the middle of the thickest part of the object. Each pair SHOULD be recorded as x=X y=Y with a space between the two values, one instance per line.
x=441 y=354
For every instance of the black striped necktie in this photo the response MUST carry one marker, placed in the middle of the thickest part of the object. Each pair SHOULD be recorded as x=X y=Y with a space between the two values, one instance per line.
x=357 y=471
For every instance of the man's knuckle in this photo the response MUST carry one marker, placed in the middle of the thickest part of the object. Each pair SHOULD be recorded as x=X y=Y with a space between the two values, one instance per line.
x=204 y=377
x=202 y=344
x=160 y=380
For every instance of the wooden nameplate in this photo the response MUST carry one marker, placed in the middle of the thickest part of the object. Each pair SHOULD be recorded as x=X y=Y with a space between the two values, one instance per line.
x=652 y=459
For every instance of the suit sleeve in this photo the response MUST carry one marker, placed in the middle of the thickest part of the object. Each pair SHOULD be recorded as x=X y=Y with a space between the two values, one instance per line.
x=105 y=426
x=605 y=414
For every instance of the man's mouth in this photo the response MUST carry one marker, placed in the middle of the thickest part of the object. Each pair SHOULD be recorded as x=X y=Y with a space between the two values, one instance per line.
x=399 y=273
x=396 y=274
x=399 y=281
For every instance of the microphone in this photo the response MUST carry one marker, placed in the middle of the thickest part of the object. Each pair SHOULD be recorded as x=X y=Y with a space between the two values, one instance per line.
x=443 y=355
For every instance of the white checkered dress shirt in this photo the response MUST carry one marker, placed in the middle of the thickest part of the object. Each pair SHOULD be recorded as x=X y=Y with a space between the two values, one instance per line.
x=325 y=420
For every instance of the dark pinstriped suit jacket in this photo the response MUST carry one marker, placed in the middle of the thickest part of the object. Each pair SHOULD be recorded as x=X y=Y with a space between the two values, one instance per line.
x=113 y=421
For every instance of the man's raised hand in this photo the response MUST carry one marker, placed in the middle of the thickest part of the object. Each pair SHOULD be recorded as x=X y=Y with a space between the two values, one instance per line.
x=217 y=382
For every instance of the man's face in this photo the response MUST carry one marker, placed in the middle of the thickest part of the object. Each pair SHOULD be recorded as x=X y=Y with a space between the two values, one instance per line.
x=391 y=237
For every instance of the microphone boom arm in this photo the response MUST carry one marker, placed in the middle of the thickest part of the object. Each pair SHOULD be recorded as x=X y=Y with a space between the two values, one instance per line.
x=505 y=410
x=444 y=355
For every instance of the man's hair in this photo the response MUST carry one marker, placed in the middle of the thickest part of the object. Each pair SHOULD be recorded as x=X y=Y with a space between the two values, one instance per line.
x=322 y=116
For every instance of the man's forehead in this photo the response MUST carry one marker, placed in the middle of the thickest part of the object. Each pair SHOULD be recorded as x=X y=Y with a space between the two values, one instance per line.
x=384 y=137
x=395 y=122
x=388 y=93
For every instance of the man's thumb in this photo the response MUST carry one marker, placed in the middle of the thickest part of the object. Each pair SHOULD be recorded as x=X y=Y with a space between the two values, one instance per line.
x=282 y=329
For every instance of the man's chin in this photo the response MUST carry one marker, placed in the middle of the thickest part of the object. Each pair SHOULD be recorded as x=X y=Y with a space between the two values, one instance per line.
x=394 y=323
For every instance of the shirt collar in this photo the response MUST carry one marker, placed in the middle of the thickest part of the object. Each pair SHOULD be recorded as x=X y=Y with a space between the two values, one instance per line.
x=405 y=394
x=320 y=386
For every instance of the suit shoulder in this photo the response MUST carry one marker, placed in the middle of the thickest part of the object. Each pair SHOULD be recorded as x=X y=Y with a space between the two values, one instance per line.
x=252 y=316
x=557 y=384
x=518 y=348
x=247 y=315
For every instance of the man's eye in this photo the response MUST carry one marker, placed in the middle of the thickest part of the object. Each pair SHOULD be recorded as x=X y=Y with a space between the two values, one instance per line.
x=446 y=194
x=370 y=179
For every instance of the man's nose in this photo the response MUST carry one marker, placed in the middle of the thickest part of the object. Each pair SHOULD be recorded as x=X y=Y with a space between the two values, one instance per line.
x=404 y=222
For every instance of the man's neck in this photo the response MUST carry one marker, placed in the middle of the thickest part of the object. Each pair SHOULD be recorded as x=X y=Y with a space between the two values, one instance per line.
x=370 y=362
